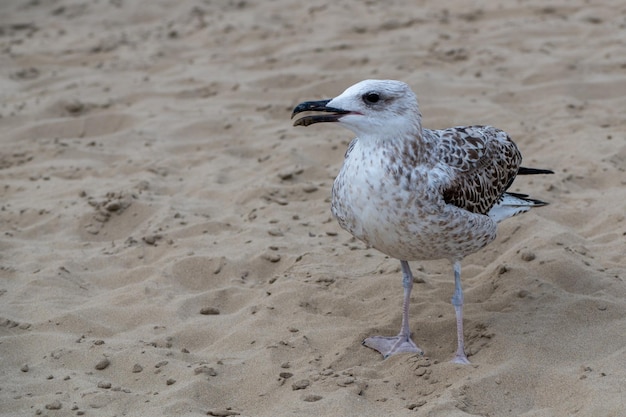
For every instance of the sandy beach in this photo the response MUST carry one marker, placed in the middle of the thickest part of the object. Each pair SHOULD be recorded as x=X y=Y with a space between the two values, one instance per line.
x=167 y=246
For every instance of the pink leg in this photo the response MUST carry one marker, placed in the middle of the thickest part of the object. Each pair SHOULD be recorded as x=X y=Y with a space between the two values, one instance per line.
x=457 y=302
x=401 y=343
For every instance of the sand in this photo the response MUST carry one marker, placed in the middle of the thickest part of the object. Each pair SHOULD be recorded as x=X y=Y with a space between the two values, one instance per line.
x=167 y=247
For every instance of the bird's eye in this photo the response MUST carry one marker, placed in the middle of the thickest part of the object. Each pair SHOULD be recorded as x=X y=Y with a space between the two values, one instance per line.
x=371 y=97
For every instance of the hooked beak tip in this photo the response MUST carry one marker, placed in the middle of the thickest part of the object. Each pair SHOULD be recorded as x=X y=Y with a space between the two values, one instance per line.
x=331 y=114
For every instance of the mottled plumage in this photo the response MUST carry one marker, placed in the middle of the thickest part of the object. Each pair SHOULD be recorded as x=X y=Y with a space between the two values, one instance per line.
x=414 y=193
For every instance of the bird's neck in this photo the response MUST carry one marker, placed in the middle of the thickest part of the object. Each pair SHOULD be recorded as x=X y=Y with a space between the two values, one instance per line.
x=407 y=144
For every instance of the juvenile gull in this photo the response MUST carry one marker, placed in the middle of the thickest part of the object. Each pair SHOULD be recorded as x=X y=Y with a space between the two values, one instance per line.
x=415 y=193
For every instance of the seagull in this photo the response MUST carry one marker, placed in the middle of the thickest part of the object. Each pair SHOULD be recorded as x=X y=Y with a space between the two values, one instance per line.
x=417 y=194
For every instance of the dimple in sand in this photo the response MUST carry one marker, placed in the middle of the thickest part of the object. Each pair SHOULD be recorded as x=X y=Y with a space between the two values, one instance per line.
x=418 y=194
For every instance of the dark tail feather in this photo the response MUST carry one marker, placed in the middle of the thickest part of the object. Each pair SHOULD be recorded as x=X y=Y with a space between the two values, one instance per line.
x=533 y=171
x=528 y=171
x=525 y=197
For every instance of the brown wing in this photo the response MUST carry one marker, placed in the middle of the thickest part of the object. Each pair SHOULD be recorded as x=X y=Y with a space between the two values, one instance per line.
x=484 y=162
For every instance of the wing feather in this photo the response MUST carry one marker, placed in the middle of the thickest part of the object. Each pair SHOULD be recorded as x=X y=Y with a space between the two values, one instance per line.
x=483 y=162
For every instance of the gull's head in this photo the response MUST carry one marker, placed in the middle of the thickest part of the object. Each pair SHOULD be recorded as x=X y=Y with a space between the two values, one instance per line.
x=378 y=108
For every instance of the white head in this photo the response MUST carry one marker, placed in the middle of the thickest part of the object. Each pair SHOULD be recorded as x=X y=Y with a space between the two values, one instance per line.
x=375 y=108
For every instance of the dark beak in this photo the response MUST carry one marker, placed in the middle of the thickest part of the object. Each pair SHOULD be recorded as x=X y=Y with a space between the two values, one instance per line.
x=332 y=116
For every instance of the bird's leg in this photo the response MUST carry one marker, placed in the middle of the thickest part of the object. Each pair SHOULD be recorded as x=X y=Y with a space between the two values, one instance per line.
x=401 y=343
x=457 y=302
x=407 y=285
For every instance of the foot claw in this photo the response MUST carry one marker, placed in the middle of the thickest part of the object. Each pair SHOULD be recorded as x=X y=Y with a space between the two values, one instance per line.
x=388 y=346
x=461 y=360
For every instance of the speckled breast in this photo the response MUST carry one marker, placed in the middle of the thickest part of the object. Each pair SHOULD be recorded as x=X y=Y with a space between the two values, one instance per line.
x=401 y=215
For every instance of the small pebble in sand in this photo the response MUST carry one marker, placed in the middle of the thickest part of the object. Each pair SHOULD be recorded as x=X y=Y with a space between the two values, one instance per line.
x=311 y=398
x=272 y=257
x=161 y=364
x=74 y=107
x=415 y=405
x=209 y=311
x=345 y=381
x=113 y=206
x=170 y=381
x=290 y=173
x=528 y=256
x=55 y=405
x=302 y=384
x=137 y=368
x=104 y=385
x=285 y=375
x=276 y=232
x=24 y=368
x=152 y=239
x=205 y=370
x=103 y=364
